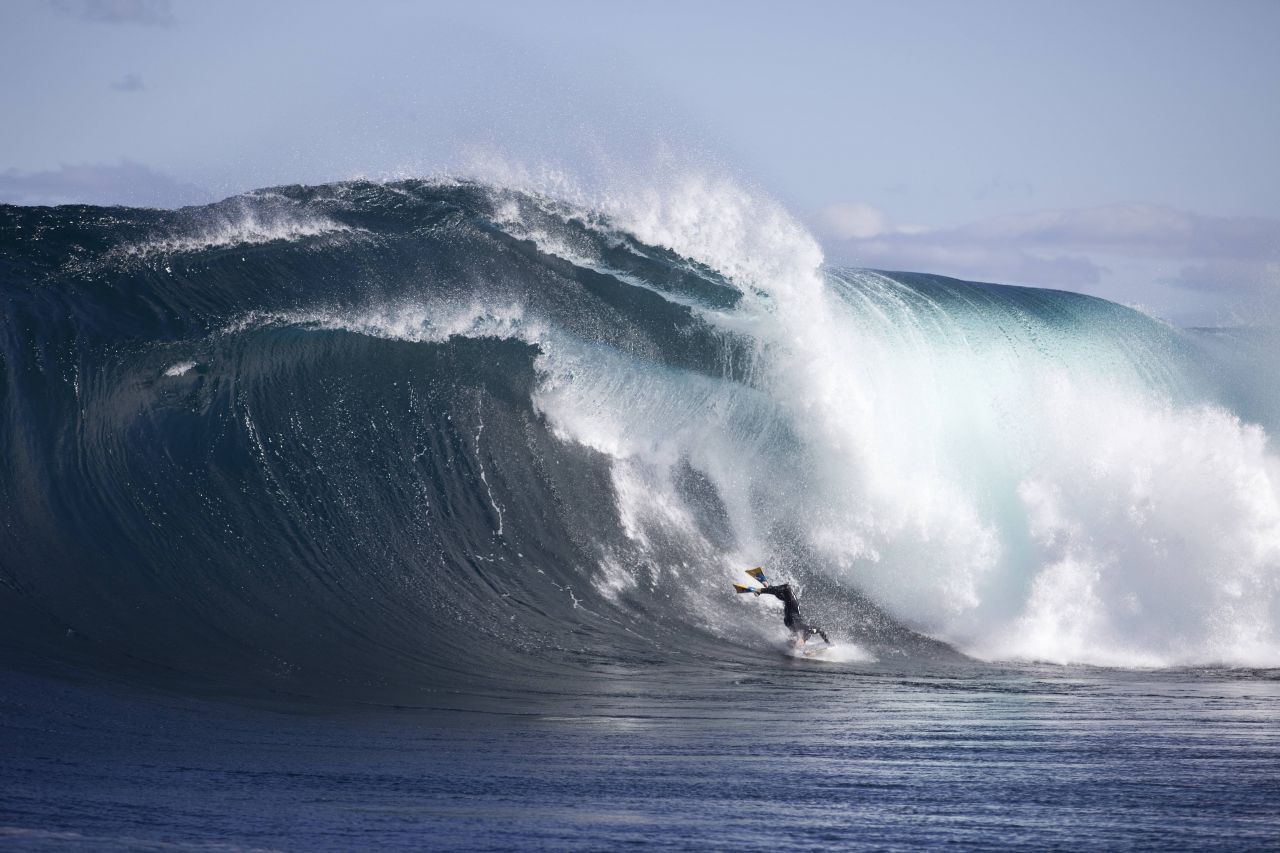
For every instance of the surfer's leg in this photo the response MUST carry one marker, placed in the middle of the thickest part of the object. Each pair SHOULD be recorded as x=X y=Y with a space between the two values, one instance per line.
x=809 y=631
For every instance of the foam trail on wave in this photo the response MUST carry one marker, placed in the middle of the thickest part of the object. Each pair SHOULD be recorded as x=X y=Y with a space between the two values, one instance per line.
x=409 y=321
x=244 y=221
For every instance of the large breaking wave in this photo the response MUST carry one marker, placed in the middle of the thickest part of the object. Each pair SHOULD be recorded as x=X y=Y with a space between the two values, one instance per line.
x=443 y=432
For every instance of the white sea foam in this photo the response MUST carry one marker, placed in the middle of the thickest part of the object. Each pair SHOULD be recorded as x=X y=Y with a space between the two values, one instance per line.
x=244 y=224
x=1017 y=489
x=409 y=321
x=836 y=653
x=180 y=368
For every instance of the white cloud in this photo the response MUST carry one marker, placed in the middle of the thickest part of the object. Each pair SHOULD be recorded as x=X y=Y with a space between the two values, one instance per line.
x=1136 y=230
x=853 y=220
x=1258 y=276
x=129 y=83
x=156 y=13
x=860 y=221
x=99 y=183
x=1233 y=260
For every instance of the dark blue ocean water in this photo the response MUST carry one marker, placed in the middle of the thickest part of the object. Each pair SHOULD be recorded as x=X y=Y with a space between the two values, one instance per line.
x=780 y=756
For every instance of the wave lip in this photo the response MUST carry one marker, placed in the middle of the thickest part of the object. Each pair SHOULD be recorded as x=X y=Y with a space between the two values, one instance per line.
x=242 y=221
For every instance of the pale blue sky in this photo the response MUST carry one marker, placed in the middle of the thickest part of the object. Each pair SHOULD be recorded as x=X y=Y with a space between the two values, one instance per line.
x=1123 y=149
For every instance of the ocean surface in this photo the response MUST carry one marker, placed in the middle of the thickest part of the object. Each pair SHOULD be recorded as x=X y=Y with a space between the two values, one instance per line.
x=406 y=515
x=770 y=756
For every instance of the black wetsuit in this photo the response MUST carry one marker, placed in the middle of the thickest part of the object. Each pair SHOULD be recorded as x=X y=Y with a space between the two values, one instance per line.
x=791 y=612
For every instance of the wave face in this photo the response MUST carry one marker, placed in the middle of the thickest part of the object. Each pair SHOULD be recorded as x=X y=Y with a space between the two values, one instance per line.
x=442 y=433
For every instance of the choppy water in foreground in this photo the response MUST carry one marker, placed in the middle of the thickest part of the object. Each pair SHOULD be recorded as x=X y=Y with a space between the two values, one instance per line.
x=782 y=756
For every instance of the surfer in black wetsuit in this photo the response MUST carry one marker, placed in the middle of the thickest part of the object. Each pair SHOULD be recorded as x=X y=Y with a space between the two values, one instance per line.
x=800 y=630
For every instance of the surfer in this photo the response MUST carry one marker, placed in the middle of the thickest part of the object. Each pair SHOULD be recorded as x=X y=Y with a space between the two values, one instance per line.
x=800 y=630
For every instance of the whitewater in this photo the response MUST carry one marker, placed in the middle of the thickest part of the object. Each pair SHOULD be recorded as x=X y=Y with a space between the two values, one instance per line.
x=490 y=453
